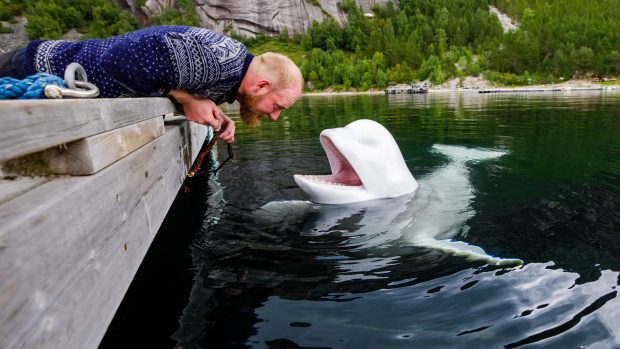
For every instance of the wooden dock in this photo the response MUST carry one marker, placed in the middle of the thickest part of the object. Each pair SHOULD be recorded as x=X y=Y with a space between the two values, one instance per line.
x=84 y=187
x=413 y=88
x=545 y=89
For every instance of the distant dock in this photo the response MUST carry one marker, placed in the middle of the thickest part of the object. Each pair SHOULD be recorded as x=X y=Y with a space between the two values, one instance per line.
x=412 y=88
x=555 y=89
x=84 y=188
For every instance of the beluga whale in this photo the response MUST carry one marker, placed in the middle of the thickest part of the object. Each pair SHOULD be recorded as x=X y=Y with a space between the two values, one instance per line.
x=366 y=164
x=373 y=201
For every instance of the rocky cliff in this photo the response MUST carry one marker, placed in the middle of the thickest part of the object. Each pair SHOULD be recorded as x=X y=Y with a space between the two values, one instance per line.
x=251 y=17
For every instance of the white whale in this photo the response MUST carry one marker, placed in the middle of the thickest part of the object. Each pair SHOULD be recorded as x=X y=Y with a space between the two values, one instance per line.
x=366 y=164
x=373 y=212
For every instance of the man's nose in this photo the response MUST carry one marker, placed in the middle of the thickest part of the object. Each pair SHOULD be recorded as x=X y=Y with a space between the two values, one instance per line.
x=274 y=115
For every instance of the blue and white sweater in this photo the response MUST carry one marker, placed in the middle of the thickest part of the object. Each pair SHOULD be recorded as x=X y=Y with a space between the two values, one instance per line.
x=150 y=62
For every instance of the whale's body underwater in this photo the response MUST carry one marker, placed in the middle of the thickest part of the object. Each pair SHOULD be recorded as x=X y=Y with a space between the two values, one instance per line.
x=372 y=186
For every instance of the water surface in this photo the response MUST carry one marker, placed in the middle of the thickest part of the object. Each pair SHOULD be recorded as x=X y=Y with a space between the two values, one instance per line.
x=361 y=281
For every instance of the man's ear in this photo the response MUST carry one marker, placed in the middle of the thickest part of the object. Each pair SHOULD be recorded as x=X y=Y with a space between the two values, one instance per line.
x=264 y=84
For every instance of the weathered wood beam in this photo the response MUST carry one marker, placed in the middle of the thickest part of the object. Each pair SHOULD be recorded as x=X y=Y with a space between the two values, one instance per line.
x=91 y=154
x=12 y=186
x=31 y=126
x=71 y=246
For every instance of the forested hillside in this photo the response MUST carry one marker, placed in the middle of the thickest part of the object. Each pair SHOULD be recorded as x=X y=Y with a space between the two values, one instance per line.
x=562 y=38
x=423 y=39
x=440 y=39
x=416 y=40
x=51 y=19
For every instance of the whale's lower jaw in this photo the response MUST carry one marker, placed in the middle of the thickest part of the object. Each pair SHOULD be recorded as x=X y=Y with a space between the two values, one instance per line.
x=323 y=191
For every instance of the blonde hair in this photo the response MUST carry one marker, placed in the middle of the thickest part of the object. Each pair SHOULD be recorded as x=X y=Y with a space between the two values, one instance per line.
x=279 y=69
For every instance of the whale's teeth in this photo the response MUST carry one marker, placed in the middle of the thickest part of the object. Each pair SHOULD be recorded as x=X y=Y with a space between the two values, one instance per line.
x=322 y=180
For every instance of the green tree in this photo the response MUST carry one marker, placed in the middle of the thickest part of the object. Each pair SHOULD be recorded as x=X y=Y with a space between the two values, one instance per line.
x=109 y=21
x=441 y=41
x=183 y=13
x=612 y=60
x=583 y=60
x=50 y=19
x=561 y=64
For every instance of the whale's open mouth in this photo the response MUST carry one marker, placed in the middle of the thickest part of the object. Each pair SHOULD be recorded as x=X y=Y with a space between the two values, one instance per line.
x=342 y=172
x=365 y=162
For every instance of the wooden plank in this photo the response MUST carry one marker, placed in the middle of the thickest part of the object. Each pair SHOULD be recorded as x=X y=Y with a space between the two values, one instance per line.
x=72 y=245
x=31 y=126
x=11 y=186
x=91 y=154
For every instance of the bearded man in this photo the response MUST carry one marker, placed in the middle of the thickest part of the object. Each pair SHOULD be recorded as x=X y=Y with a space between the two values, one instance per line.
x=199 y=68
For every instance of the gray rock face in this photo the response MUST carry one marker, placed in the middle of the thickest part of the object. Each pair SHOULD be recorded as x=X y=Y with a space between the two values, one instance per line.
x=252 y=17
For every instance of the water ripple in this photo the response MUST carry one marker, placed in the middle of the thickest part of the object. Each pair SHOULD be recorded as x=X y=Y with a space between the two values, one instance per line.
x=553 y=200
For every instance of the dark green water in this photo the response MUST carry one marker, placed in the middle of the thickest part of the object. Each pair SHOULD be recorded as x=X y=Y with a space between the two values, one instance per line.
x=553 y=201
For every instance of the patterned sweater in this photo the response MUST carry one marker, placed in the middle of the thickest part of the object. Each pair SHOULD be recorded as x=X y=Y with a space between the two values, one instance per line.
x=150 y=62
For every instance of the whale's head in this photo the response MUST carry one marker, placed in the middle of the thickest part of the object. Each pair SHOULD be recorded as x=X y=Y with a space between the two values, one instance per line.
x=366 y=164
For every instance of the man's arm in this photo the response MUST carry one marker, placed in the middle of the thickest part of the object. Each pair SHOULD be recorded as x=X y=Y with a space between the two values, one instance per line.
x=205 y=111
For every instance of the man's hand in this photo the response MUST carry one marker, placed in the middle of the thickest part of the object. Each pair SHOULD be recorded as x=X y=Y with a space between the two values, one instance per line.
x=227 y=130
x=205 y=111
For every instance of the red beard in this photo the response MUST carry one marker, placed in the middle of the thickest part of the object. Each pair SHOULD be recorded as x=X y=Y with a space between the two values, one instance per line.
x=248 y=111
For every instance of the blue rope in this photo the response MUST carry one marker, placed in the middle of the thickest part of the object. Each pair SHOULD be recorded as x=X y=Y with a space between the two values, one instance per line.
x=30 y=88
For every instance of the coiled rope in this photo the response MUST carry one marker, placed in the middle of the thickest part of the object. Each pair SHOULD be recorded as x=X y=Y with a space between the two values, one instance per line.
x=32 y=87
x=42 y=85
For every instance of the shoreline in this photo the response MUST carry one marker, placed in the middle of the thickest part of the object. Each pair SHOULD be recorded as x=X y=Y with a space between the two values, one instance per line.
x=479 y=85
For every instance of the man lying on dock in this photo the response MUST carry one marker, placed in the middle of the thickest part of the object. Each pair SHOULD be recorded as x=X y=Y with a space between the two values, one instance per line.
x=199 y=68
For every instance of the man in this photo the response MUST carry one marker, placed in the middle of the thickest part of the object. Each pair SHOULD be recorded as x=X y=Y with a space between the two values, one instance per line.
x=197 y=67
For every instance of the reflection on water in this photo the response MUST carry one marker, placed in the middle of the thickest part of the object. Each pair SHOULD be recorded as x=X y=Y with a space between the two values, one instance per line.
x=467 y=309
x=274 y=271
